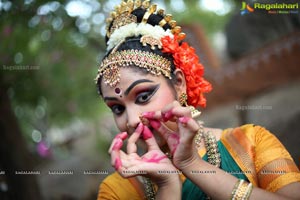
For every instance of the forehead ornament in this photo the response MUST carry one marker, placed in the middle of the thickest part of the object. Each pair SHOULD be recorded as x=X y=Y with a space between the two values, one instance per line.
x=153 y=63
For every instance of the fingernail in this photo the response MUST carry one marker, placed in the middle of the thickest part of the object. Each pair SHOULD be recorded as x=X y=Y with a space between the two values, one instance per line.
x=122 y=135
x=140 y=128
x=167 y=115
x=147 y=133
x=118 y=145
x=118 y=163
x=184 y=120
x=148 y=114
x=155 y=124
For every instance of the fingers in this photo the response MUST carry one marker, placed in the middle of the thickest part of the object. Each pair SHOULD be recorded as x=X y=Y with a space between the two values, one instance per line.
x=115 y=148
x=170 y=136
x=149 y=139
x=116 y=160
x=188 y=128
x=131 y=144
x=115 y=153
x=188 y=123
x=170 y=113
x=121 y=136
x=163 y=130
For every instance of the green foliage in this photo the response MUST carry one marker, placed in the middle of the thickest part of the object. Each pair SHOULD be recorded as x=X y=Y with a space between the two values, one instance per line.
x=48 y=73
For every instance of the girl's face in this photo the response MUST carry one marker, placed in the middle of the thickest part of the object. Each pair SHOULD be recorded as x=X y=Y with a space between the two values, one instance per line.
x=137 y=93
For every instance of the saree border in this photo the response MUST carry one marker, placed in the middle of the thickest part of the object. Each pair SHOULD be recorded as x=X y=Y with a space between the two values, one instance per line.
x=242 y=150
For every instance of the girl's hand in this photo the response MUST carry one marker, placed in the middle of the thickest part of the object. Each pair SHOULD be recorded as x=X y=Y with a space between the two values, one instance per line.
x=180 y=142
x=130 y=164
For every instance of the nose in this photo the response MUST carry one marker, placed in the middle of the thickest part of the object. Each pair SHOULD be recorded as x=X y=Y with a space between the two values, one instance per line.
x=133 y=118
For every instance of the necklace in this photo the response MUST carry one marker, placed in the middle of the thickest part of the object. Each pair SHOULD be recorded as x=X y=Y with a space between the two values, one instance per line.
x=213 y=157
x=210 y=142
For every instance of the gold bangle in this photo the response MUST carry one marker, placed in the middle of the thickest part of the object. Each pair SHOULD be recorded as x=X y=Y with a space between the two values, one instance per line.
x=248 y=191
x=242 y=191
x=236 y=188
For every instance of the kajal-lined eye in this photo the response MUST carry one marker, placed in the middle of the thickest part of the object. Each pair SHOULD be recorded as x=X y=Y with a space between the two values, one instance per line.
x=117 y=109
x=145 y=96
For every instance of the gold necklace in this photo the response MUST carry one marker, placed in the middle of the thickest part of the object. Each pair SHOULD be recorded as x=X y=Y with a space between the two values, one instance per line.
x=211 y=145
x=213 y=157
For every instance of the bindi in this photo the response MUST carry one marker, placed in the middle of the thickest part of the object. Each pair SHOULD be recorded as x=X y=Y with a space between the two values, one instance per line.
x=118 y=91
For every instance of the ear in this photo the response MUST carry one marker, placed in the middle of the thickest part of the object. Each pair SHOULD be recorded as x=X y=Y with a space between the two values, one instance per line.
x=180 y=83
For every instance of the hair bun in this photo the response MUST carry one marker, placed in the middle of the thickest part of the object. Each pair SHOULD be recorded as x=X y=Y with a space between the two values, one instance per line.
x=124 y=14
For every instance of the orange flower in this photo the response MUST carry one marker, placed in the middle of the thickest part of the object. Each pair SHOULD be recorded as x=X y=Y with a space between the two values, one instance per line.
x=186 y=59
x=170 y=45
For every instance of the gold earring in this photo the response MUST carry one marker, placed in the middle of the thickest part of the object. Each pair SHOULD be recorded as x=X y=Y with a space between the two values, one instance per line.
x=194 y=112
x=183 y=99
x=128 y=126
x=183 y=102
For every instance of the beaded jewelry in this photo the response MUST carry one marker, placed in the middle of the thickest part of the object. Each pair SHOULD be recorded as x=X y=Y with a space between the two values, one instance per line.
x=153 y=63
x=149 y=189
x=242 y=190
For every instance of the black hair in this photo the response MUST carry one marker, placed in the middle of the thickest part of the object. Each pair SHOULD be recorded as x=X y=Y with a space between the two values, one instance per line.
x=134 y=43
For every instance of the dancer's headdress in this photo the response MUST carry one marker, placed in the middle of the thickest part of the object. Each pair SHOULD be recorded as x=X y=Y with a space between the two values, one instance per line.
x=123 y=24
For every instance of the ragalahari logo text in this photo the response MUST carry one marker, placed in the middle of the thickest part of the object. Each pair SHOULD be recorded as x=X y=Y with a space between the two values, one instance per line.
x=270 y=8
x=246 y=8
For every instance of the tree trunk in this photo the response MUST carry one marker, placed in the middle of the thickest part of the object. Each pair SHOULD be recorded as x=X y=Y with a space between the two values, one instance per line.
x=14 y=156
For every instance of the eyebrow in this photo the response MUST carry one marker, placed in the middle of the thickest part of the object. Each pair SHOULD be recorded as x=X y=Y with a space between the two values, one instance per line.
x=110 y=99
x=128 y=89
x=136 y=83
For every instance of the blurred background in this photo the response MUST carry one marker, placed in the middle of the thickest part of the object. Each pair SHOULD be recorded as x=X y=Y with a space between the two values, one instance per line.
x=55 y=130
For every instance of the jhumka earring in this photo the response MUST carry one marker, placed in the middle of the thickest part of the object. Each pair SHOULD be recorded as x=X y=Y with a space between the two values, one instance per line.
x=183 y=99
x=183 y=102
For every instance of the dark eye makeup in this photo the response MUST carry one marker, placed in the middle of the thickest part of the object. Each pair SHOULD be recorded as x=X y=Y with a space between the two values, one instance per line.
x=117 y=109
x=142 y=97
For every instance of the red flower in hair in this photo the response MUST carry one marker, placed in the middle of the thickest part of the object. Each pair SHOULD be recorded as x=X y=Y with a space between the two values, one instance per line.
x=186 y=59
x=170 y=45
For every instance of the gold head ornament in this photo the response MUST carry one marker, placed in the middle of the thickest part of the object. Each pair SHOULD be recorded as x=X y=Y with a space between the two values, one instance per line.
x=123 y=23
x=110 y=66
x=121 y=16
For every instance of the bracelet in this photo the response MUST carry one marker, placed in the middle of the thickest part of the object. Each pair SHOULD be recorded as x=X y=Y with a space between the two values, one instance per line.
x=248 y=191
x=237 y=189
x=237 y=184
x=241 y=190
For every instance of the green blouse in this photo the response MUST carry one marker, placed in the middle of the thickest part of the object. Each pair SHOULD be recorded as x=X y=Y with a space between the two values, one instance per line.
x=191 y=191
